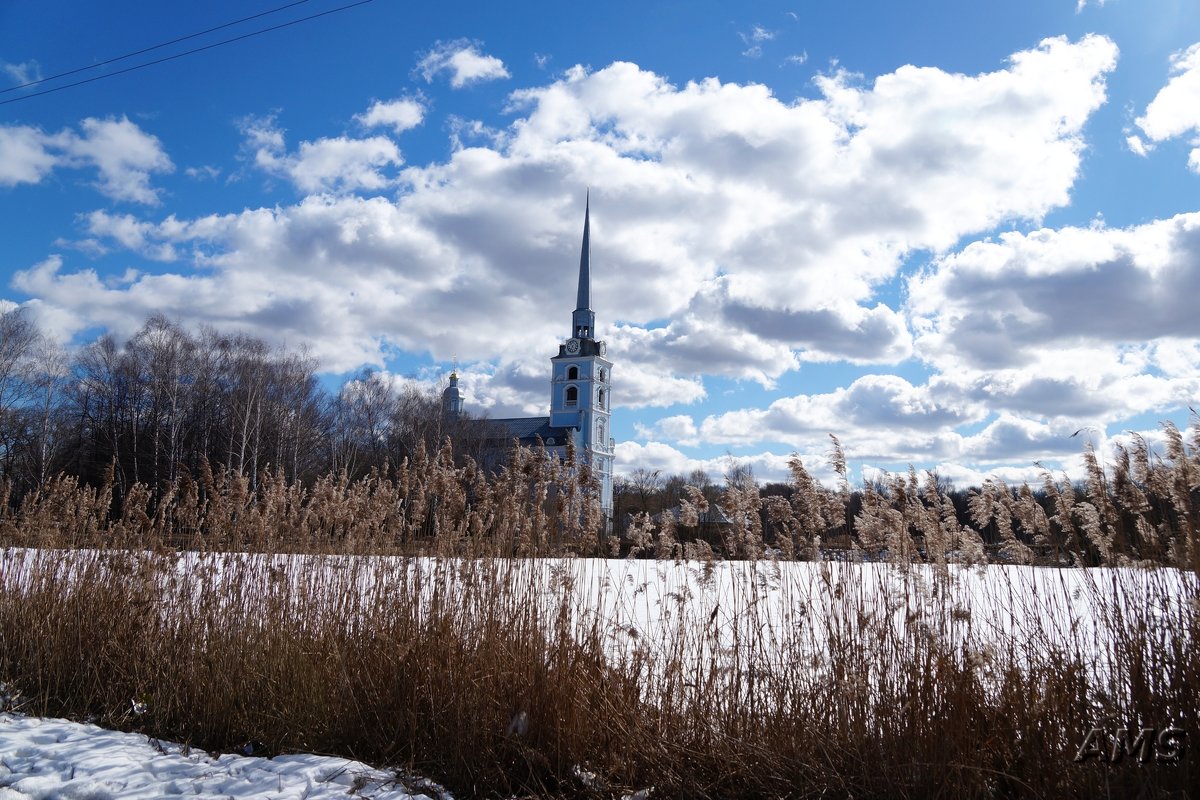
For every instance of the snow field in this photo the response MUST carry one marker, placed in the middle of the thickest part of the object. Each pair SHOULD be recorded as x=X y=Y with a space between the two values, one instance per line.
x=53 y=759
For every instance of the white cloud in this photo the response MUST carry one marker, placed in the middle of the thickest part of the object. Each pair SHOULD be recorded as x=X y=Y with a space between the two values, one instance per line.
x=1175 y=110
x=876 y=415
x=1176 y=357
x=154 y=241
x=1018 y=439
x=1072 y=326
x=760 y=229
x=643 y=384
x=399 y=115
x=680 y=428
x=338 y=164
x=669 y=461
x=125 y=155
x=206 y=172
x=262 y=133
x=754 y=39
x=343 y=164
x=23 y=73
x=1000 y=303
x=25 y=155
x=761 y=34
x=464 y=61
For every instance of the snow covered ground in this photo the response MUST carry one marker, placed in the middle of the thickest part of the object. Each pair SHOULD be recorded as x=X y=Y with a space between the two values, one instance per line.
x=53 y=759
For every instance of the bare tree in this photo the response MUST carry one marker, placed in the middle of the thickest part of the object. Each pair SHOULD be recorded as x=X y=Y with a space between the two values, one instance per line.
x=644 y=485
x=364 y=417
x=19 y=342
x=45 y=428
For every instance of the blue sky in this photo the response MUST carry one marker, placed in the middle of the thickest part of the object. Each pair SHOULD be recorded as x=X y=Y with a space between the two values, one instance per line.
x=950 y=233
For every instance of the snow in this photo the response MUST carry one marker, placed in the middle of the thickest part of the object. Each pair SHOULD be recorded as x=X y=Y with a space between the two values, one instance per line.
x=54 y=759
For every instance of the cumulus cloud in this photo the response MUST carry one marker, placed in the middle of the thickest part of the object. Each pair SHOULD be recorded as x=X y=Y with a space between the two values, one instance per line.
x=464 y=61
x=335 y=164
x=998 y=303
x=399 y=115
x=733 y=234
x=878 y=414
x=125 y=156
x=1072 y=327
x=26 y=154
x=645 y=385
x=680 y=428
x=153 y=241
x=1175 y=110
x=886 y=422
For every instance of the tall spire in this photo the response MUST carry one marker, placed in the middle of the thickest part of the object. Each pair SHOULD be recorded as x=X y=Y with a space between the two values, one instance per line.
x=583 y=321
x=583 y=300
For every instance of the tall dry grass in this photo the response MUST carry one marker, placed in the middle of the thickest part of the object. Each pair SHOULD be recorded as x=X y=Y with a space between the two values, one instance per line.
x=436 y=618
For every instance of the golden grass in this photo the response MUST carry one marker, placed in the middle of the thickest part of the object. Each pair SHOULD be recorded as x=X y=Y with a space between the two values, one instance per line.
x=434 y=618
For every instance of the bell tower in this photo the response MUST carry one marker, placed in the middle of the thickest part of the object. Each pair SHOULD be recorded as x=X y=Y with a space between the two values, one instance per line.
x=581 y=381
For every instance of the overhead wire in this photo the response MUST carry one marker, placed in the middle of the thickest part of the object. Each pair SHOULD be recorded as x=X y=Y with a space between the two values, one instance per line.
x=151 y=48
x=185 y=53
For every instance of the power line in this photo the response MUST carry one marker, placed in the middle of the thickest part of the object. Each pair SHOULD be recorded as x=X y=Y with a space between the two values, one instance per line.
x=185 y=53
x=149 y=49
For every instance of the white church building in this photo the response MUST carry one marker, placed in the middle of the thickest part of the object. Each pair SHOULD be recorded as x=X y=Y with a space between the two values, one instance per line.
x=580 y=392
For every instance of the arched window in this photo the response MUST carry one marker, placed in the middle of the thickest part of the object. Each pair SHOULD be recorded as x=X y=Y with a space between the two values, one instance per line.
x=600 y=398
x=573 y=374
x=602 y=374
x=572 y=395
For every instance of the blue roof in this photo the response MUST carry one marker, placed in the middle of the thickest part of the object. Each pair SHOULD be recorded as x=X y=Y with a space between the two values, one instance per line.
x=528 y=430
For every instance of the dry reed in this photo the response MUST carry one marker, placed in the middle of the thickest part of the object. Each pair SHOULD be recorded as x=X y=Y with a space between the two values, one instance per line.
x=439 y=619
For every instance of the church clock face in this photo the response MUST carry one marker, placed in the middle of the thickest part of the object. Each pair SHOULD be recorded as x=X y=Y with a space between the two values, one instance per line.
x=572 y=346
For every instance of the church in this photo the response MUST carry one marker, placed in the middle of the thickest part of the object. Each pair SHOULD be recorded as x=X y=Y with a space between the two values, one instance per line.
x=580 y=392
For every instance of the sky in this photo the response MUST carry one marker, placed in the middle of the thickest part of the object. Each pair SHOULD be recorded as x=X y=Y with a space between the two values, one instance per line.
x=961 y=236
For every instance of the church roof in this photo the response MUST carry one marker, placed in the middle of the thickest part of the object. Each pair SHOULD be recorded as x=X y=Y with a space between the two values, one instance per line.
x=528 y=430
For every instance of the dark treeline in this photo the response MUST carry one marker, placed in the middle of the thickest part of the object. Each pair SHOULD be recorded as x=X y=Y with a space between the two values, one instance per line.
x=170 y=403
x=168 y=400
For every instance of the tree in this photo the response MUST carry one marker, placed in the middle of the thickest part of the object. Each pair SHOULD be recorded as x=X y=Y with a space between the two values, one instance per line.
x=364 y=416
x=644 y=486
x=19 y=341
